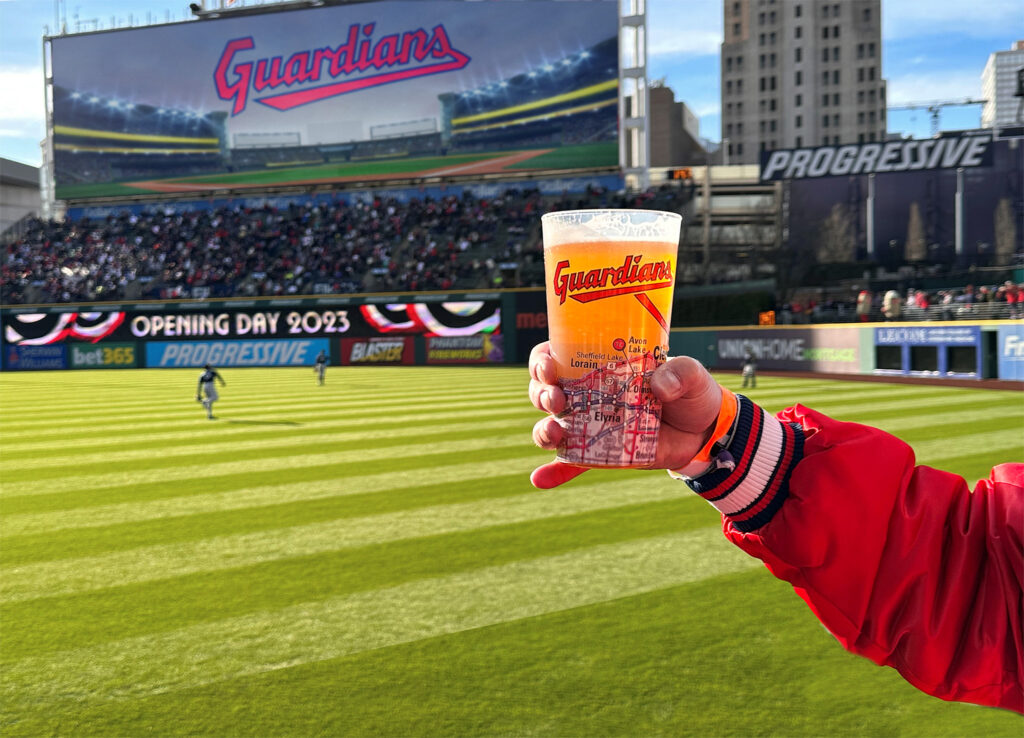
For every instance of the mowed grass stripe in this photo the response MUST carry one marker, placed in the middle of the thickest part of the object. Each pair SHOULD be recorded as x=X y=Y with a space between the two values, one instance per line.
x=57 y=623
x=325 y=422
x=190 y=417
x=281 y=444
x=67 y=512
x=66 y=576
x=870 y=408
x=335 y=627
x=143 y=410
x=425 y=469
x=176 y=471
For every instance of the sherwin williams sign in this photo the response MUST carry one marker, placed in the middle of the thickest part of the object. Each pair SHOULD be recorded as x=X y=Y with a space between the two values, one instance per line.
x=35 y=357
x=235 y=353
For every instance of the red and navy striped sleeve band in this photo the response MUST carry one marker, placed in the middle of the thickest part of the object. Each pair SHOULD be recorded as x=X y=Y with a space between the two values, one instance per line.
x=765 y=451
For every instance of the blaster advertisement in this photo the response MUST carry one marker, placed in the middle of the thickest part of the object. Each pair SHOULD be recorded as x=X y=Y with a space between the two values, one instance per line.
x=456 y=318
x=396 y=350
x=396 y=89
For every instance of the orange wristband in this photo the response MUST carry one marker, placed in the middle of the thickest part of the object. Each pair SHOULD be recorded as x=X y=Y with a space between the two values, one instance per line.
x=726 y=417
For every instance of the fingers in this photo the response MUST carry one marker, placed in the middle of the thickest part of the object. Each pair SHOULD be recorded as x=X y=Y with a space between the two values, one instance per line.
x=544 y=391
x=553 y=474
x=542 y=366
x=547 y=397
x=547 y=433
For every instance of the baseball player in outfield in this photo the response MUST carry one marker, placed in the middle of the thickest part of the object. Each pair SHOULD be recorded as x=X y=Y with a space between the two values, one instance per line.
x=208 y=388
x=320 y=367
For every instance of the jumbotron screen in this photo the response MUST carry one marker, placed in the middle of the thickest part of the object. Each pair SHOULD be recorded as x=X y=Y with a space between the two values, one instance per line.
x=375 y=91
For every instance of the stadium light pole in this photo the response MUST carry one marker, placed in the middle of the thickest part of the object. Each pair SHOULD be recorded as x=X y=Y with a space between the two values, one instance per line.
x=958 y=210
x=870 y=216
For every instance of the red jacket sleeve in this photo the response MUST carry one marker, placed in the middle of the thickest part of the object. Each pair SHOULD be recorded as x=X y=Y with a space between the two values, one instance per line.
x=904 y=564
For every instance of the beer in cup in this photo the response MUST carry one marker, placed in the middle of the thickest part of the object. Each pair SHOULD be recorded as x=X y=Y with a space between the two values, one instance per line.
x=609 y=276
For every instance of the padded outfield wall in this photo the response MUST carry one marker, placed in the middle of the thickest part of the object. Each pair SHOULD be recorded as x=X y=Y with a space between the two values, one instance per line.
x=463 y=328
x=951 y=350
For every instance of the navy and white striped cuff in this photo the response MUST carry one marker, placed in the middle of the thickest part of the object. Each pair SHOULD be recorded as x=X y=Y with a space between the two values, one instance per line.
x=765 y=451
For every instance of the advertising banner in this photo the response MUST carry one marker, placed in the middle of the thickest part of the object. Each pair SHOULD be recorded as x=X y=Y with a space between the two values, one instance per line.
x=831 y=350
x=967 y=335
x=480 y=349
x=939 y=350
x=1011 y=352
x=107 y=356
x=397 y=350
x=273 y=318
x=948 y=152
x=167 y=354
x=531 y=322
x=355 y=92
x=35 y=357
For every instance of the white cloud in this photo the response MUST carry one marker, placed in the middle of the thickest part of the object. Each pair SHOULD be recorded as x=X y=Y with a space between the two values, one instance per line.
x=676 y=28
x=937 y=85
x=910 y=18
x=23 y=96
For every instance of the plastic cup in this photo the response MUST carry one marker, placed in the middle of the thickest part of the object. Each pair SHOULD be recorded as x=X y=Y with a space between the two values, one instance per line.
x=609 y=276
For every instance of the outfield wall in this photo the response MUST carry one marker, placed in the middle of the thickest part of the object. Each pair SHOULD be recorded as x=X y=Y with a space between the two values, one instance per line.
x=463 y=328
x=954 y=350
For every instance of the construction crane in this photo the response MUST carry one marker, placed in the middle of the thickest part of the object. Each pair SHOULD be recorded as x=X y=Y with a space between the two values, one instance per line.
x=935 y=106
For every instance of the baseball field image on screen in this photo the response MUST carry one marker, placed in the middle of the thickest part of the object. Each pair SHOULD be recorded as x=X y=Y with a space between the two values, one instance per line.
x=390 y=90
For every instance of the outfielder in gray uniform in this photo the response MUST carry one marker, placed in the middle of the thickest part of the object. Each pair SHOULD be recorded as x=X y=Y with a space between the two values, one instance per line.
x=320 y=367
x=207 y=387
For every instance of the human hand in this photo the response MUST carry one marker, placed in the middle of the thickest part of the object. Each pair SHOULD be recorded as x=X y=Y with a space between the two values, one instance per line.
x=691 y=400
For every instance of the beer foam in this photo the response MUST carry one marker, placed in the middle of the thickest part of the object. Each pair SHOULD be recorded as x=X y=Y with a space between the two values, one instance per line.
x=581 y=226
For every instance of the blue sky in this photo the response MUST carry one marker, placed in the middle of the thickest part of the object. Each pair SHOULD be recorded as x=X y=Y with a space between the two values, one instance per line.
x=932 y=50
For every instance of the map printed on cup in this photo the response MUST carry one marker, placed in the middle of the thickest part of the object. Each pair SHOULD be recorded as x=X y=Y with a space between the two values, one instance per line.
x=609 y=277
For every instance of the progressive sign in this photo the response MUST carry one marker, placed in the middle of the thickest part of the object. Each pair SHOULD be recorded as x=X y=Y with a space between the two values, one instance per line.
x=967 y=151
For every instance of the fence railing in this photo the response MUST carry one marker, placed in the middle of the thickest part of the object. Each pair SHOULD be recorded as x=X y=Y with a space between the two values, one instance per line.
x=954 y=311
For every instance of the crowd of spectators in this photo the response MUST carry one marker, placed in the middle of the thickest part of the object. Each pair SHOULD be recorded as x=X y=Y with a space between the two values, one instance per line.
x=1002 y=301
x=454 y=242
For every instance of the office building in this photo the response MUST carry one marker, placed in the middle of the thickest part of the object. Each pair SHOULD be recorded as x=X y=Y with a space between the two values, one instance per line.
x=800 y=73
x=1002 y=87
x=674 y=131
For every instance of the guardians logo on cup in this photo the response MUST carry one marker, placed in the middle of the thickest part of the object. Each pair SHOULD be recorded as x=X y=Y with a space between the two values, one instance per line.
x=612 y=281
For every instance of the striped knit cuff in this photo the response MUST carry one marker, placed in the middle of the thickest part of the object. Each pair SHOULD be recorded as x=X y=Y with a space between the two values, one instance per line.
x=766 y=451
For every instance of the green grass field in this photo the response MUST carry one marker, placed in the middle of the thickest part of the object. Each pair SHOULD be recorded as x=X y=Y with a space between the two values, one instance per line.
x=368 y=558
x=602 y=154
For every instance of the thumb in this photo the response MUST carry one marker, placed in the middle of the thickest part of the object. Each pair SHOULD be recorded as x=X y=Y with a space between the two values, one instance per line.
x=554 y=473
x=691 y=398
